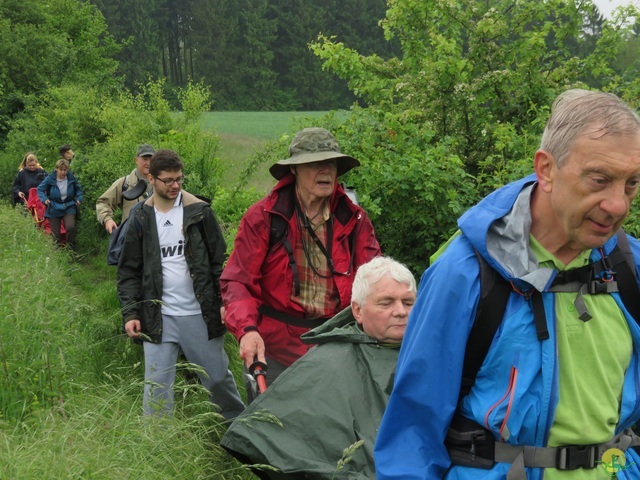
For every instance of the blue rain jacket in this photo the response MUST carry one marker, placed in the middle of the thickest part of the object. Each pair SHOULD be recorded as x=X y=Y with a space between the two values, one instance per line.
x=410 y=444
x=48 y=190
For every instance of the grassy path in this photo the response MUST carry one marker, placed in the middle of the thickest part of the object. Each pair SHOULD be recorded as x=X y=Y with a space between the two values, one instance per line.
x=71 y=384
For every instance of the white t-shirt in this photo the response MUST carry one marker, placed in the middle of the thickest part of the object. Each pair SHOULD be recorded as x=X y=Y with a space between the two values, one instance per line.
x=178 y=297
x=63 y=186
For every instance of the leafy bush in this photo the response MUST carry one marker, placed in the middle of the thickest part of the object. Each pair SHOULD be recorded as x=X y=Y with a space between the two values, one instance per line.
x=105 y=130
x=409 y=187
x=461 y=112
x=49 y=44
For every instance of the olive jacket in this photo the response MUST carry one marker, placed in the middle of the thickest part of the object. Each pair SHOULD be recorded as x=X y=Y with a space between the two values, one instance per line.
x=329 y=400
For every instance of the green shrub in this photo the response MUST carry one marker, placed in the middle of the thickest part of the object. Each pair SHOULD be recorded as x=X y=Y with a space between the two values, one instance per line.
x=105 y=131
x=461 y=111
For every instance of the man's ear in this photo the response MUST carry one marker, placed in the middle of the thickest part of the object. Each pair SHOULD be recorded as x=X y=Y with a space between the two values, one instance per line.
x=357 y=311
x=544 y=164
x=292 y=169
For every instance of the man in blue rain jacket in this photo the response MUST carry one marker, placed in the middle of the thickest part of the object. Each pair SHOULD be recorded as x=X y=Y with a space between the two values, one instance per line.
x=558 y=404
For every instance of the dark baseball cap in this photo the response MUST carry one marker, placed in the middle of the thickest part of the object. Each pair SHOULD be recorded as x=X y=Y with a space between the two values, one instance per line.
x=145 y=150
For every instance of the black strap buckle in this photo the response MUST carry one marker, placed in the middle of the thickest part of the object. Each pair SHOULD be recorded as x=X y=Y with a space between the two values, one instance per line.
x=576 y=456
x=606 y=264
x=597 y=286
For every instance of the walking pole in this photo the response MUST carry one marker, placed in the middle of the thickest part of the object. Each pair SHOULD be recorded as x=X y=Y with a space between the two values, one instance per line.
x=259 y=371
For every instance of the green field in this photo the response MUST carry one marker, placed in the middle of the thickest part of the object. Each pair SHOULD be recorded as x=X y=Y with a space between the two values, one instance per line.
x=244 y=133
x=255 y=125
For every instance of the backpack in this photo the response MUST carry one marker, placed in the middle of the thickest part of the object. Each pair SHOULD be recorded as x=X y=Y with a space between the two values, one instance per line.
x=469 y=443
x=138 y=190
x=116 y=240
x=495 y=291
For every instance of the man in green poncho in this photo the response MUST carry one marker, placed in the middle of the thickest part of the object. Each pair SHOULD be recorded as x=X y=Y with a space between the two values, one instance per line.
x=320 y=418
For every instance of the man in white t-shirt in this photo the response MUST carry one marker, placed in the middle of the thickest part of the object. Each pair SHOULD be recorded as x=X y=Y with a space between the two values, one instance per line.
x=168 y=285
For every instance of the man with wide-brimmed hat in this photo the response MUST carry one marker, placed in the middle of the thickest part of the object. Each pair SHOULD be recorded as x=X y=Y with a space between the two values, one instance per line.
x=295 y=254
x=126 y=191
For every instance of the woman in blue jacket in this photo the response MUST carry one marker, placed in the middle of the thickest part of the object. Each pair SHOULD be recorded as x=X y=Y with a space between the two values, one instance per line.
x=61 y=195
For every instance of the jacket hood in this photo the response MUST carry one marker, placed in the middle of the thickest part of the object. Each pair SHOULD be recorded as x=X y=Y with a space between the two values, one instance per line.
x=498 y=228
x=320 y=413
x=342 y=328
x=38 y=172
x=187 y=199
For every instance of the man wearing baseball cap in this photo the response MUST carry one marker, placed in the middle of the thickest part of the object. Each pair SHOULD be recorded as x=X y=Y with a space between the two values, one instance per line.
x=125 y=192
x=295 y=254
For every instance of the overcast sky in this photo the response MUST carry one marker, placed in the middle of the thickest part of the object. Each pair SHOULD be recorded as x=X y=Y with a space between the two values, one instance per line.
x=607 y=6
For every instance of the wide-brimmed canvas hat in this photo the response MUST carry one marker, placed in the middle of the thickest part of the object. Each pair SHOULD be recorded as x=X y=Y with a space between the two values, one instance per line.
x=313 y=145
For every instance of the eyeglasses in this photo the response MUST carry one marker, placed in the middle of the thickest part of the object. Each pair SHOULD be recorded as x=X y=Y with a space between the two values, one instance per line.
x=170 y=181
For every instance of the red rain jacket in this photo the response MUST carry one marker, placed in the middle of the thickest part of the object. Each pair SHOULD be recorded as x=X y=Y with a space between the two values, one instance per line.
x=256 y=275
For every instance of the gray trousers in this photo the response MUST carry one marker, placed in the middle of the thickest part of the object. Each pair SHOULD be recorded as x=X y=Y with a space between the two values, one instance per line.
x=189 y=334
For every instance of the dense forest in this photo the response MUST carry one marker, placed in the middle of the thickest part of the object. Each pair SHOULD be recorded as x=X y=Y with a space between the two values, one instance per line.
x=253 y=53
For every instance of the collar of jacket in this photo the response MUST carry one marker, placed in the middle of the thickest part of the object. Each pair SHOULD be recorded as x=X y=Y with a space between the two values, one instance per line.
x=186 y=198
x=283 y=197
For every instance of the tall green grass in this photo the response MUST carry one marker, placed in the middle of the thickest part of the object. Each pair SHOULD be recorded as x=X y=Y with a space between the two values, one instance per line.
x=102 y=436
x=71 y=383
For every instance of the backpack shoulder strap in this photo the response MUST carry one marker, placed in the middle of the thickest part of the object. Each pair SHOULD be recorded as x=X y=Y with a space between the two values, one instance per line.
x=626 y=275
x=277 y=230
x=205 y=239
x=279 y=224
x=278 y=235
x=137 y=224
x=494 y=295
x=125 y=187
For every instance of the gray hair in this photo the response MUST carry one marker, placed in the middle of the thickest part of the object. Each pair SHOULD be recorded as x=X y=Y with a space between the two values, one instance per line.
x=579 y=112
x=372 y=272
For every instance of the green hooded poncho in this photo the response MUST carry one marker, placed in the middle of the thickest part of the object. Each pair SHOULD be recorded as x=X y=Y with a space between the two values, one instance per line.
x=327 y=401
